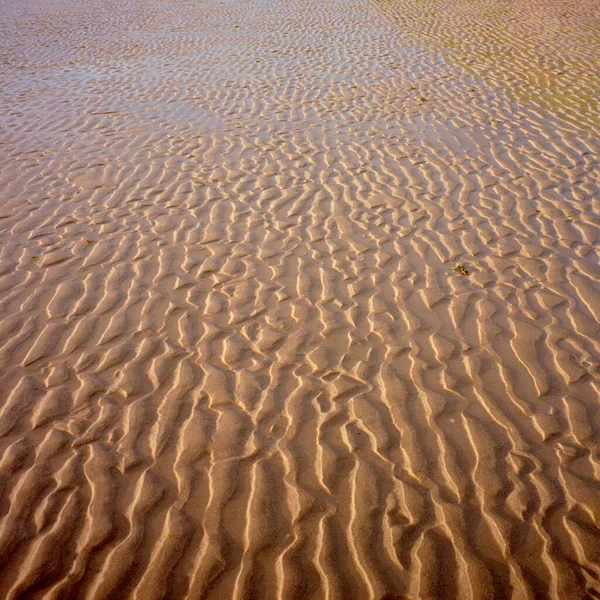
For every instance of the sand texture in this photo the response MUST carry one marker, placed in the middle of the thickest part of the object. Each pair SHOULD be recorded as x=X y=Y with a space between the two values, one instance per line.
x=299 y=300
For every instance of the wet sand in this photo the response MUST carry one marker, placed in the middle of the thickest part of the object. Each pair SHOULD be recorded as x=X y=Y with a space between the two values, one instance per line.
x=299 y=300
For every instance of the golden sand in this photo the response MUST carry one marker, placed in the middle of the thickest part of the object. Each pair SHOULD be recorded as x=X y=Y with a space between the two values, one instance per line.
x=299 y=300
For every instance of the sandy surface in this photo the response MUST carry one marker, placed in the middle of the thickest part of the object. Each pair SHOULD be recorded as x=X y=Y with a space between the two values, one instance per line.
x=236 y=361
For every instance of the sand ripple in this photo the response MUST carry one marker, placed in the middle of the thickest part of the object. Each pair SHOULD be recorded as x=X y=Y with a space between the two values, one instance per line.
x=236 y=359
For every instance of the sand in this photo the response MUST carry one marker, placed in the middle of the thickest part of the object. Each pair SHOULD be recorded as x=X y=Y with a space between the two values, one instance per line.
x=299 y=299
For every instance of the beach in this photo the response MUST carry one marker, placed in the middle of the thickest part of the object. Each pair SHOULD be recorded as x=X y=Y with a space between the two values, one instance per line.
x=299 y=300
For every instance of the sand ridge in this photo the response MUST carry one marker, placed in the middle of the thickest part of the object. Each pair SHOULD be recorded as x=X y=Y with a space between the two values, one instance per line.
x=236 y=360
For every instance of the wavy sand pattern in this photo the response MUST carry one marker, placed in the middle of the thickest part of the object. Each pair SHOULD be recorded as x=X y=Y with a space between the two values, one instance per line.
x=235 y=361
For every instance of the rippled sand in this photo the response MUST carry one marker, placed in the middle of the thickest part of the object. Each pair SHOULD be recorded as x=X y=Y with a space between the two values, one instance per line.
x=299 y=299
